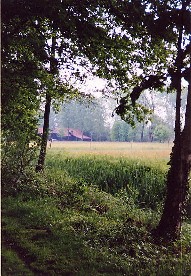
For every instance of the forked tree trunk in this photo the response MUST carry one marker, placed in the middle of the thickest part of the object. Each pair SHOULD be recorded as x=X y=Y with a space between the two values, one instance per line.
x=177 y=181
x=180 y=163
x=45 y=134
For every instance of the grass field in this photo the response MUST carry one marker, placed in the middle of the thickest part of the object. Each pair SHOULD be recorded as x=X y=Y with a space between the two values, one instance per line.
x=159 y=151
x=91 y=212
x=138 y=168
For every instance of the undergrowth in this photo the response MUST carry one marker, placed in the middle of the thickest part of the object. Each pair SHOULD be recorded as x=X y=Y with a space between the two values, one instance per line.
x=58 y=225
x=144 y=181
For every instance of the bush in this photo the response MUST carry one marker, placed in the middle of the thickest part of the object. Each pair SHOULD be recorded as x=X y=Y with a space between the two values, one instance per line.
x=19 y=155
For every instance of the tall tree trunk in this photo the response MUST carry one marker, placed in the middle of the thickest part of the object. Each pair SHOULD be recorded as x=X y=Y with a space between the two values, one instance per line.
x=186 y=138
x=45 y=135
x=180 y=163
x=177 y=181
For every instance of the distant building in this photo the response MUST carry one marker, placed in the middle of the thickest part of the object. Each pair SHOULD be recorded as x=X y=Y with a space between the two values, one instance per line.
x=66 y=134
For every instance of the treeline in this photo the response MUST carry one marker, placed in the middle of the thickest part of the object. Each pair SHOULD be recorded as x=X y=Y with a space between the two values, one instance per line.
x=156 y=130
x=95 y=120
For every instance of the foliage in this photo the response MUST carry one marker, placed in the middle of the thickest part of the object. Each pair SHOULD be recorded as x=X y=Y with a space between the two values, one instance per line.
x=21 y=76
x=152 y=53
x=154 y=75
x=17 y=163
x=93 y=119
x=87 y=117
x=162 y=133
x=142 y=132
x=120 y=131
x=26 y=56
x=20 y=98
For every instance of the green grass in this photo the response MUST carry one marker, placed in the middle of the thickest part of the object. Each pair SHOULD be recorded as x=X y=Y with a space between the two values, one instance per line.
x=90 y=215
x=96 y=234
x=143 y=181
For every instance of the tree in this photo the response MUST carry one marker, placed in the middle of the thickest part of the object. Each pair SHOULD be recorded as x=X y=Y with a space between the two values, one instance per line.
x=45 y=134
x=165 y=24
x=177 y=179
x=122 y=132
x=162 y=133
x=26 y=80
x=115 y=132
x=22 y=74
x=74 y=31
x=120 y=37
x=89 y=118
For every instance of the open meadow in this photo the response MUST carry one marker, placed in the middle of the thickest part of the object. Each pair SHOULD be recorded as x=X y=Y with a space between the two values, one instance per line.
x=155 y=151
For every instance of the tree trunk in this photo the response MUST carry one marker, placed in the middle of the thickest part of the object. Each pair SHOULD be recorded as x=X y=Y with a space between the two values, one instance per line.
x=186 y=138
x=142 y=131
x=177 y=179
x=45 y=135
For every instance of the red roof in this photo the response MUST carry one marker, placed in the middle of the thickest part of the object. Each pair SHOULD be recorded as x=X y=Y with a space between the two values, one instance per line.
x=75 y=132
x=67 y=132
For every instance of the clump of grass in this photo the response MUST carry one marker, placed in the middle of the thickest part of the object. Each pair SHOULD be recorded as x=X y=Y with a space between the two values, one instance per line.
x=12 y=264
x=145 y=182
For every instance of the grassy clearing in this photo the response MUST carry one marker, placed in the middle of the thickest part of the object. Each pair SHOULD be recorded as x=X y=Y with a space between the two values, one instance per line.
x=90 y=214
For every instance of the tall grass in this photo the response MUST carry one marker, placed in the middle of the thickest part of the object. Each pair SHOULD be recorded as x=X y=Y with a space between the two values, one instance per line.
x=143 y=181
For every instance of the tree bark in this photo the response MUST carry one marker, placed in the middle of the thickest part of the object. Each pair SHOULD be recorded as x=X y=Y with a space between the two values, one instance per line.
x=177 y=179
x=187 y=129
x=45 y=135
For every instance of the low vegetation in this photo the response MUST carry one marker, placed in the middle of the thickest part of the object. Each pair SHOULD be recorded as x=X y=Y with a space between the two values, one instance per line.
x=143 y=182
x=90 y=215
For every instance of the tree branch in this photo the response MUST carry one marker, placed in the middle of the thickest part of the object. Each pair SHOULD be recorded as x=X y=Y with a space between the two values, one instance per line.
x=151 y=82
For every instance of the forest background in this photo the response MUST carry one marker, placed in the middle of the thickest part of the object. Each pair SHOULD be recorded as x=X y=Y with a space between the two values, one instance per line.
x=96 y=119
